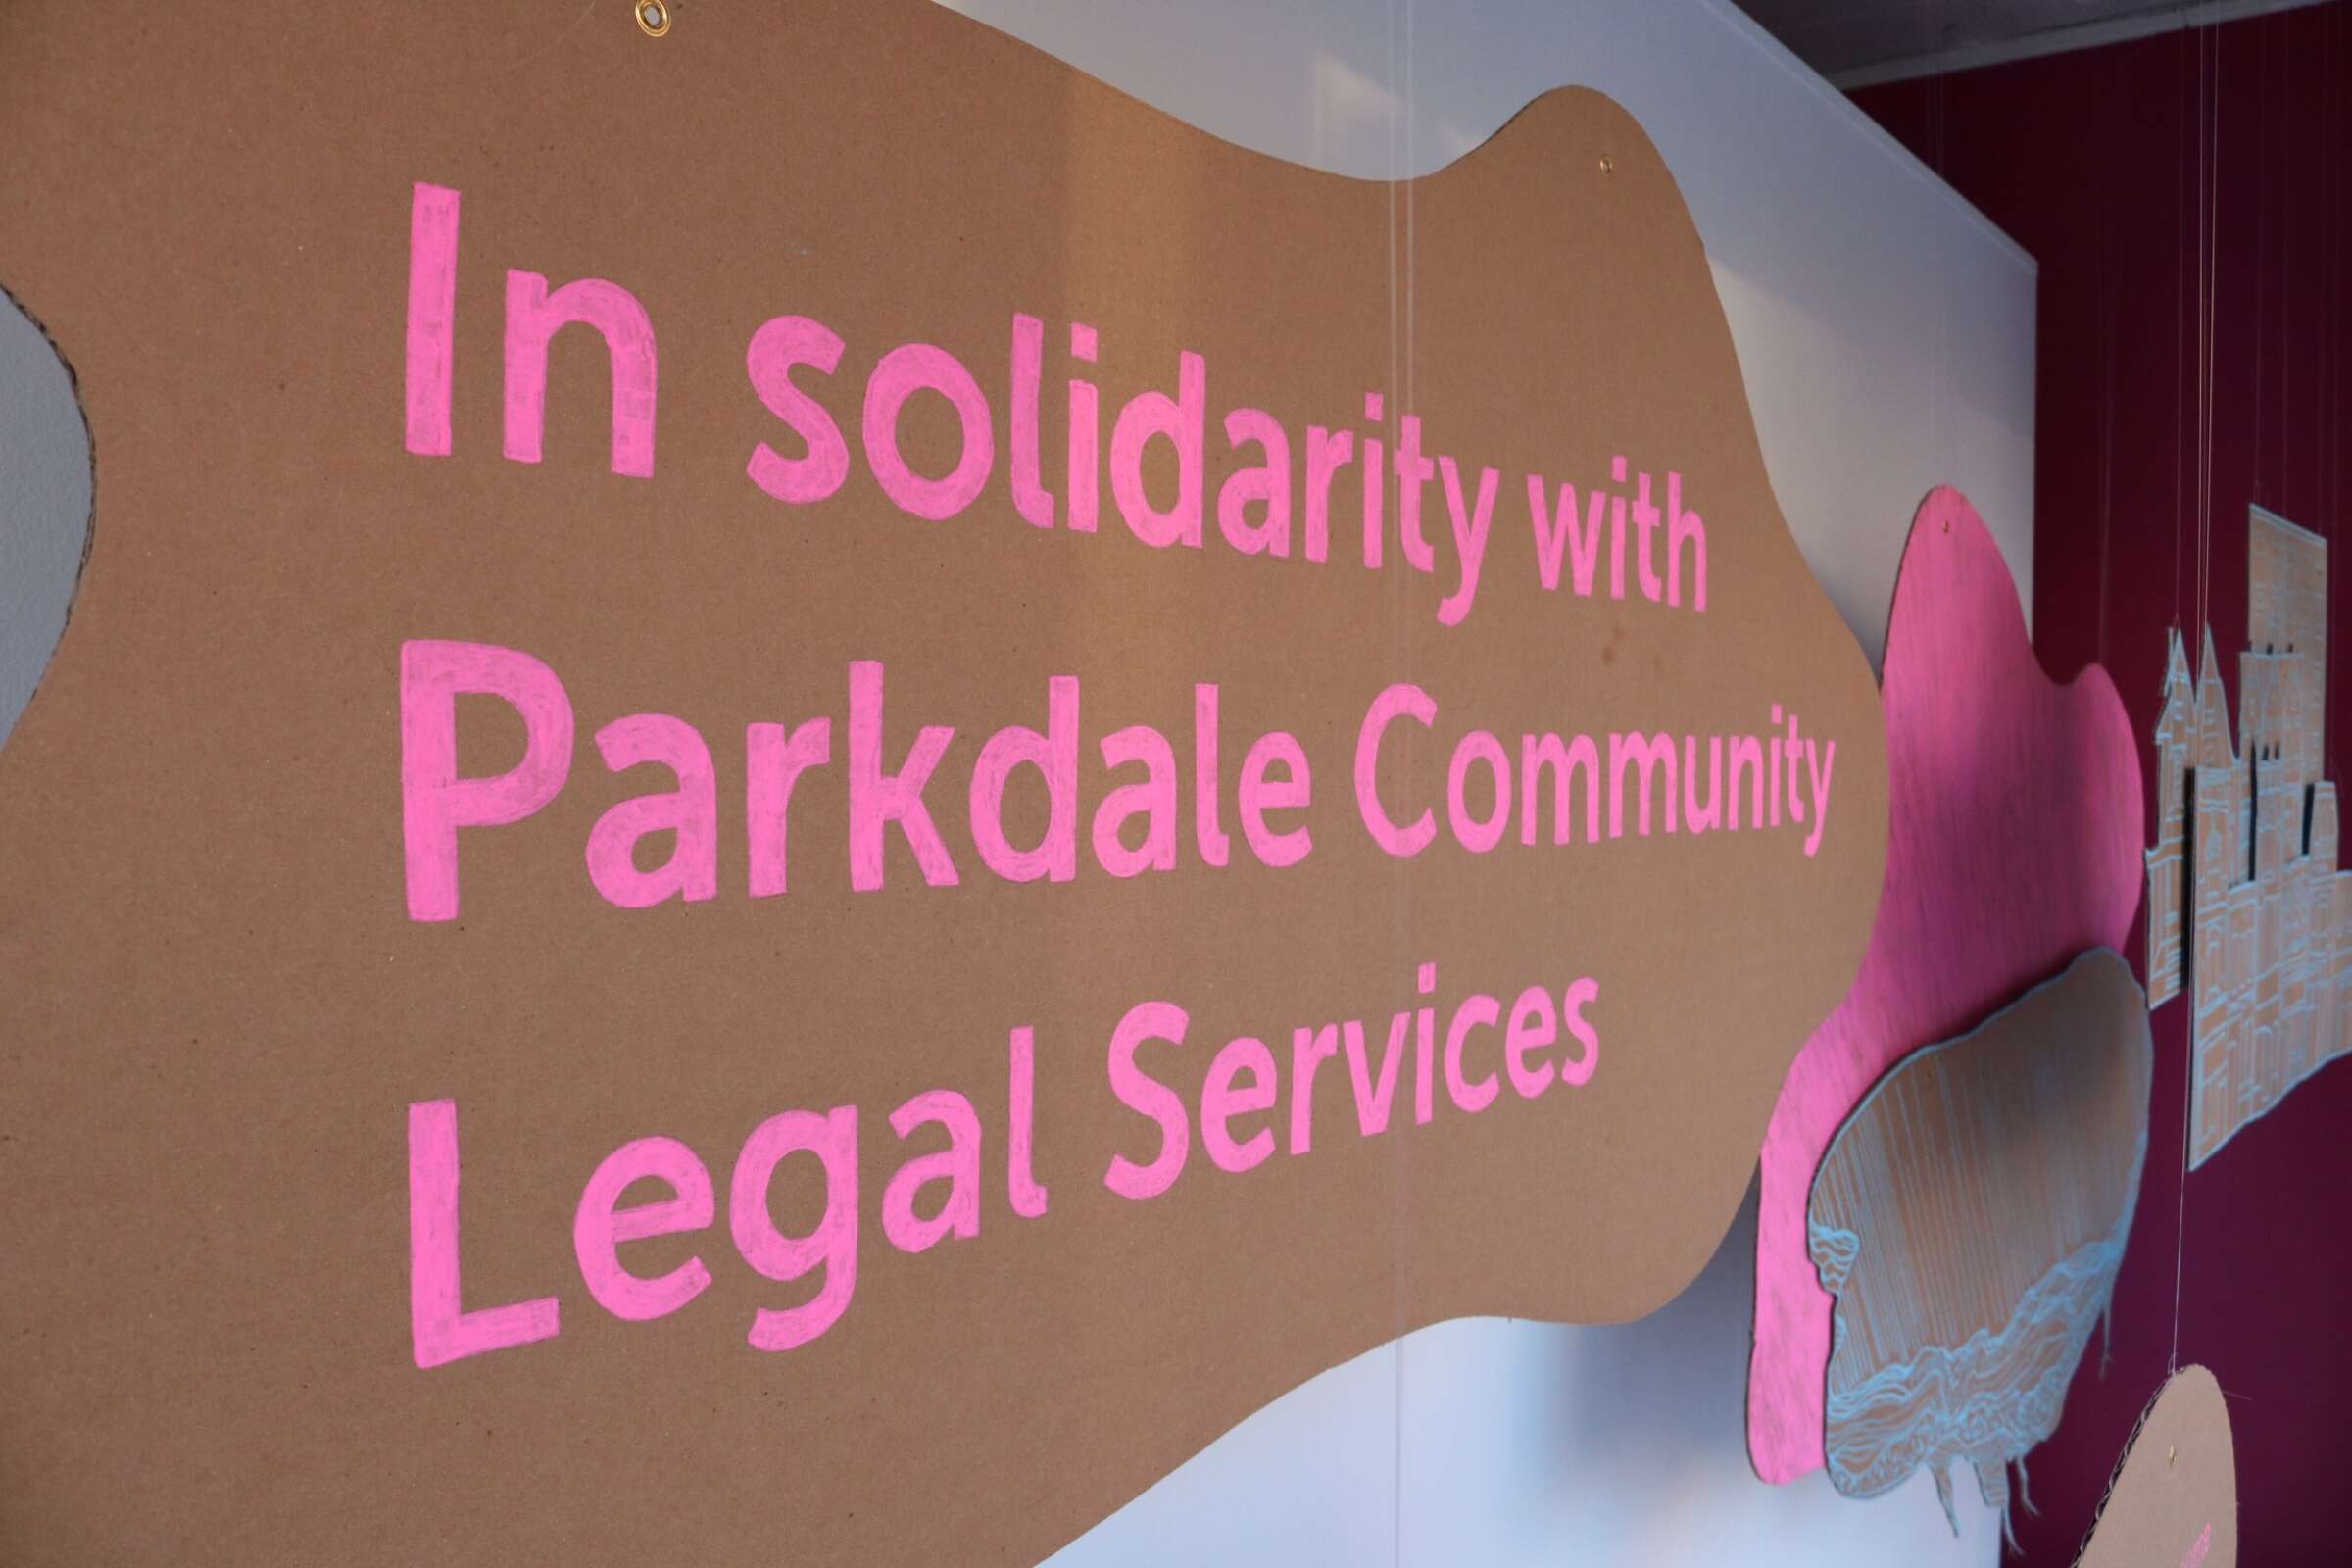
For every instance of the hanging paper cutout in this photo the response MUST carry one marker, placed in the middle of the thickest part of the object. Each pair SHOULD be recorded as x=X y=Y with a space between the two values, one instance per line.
x=2174 y=1499
x=2252 y=873
x=773 y=645
x=1970 y=1219
x=2012 y=845
x=2169 y=881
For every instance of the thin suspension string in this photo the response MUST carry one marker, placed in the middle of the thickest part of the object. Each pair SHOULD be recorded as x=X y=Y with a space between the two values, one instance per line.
x=2106 y=376
x=2179 y=313
x=2197 y=658
x=2207 y=299
x=2330 y=490
x=2262 y=247
x=2209 y=135
x=2327 y=492
x=1396 y=174
x=2106 y=371
x=2287 y=328
x=2200 y=445
x=1941 y=397
x=1399 y=404
x=1943 y=151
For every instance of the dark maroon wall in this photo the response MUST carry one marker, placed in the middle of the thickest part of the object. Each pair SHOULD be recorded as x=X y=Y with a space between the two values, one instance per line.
x=2096 y=162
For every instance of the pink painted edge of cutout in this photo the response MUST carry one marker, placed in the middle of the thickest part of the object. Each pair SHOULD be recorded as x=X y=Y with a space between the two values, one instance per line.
x=1901 y=1002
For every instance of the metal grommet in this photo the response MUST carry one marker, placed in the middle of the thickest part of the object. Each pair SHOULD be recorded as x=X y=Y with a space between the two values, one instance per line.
x=1608 y=164
x=653 y=16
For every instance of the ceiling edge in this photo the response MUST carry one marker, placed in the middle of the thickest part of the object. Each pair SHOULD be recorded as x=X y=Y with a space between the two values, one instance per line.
x=2059 y=40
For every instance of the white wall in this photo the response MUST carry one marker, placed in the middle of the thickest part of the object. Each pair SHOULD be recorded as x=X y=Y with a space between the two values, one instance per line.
x=1887 y=338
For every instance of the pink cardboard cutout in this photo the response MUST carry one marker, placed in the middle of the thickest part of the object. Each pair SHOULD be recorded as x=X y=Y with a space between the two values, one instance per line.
x=2012 y=845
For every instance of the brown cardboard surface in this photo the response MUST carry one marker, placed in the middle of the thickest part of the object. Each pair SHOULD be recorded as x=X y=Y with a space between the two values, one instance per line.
x=1970 y=1219
x=2249 y=888
x=2175 y=1495
x=221 y=1024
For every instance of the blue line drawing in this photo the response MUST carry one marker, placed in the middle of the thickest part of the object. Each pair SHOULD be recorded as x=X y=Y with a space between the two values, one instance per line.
x=1970 y=1218
x=2246 y=910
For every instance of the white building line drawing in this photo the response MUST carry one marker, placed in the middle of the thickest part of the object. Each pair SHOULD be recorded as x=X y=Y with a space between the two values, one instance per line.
x=2244 y=863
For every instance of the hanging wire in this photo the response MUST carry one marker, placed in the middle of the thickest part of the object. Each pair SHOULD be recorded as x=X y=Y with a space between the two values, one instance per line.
x=1397 y=172
x=2208 y=188
x=2180 y=457
x=2262 y=246
x=2327 y=494
x=2287 y=322
x=2099 y=137
x=2181 y=303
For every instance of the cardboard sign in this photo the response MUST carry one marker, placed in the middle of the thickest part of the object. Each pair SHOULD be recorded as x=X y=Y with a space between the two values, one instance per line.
x=2012 y=847
x=815 y=790
x=1970 y=1219
x=2255 y=885
x=2175 y=1495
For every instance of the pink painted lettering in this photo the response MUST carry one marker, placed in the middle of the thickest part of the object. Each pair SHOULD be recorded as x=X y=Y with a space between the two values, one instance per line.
x=1266 y=484
x=1021 y=1188
x=435 y=803
x=441 y=1330
x=1475 y=835
x=1474 y=1013
x=1138 y=1092
x=433 y=317
x=534 y=317
x=1241 y=1082
x=1411 y=701
x=1054 y=755
x=1533 y=1028
x=1572 y=1009
x=957 y=1166
x=1373 y=1099
x=1178 y=421
x=831 y=1246
x=1262 y=791
x=1151 y=798
x=877 y=798
x=1471 y=526
x=774 y=760
x=905 y=370
x=689 y=812
x=1558 y=534
x=600 y=1226
x=1208 y=836
x=775 y=349
x=1030 y=498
